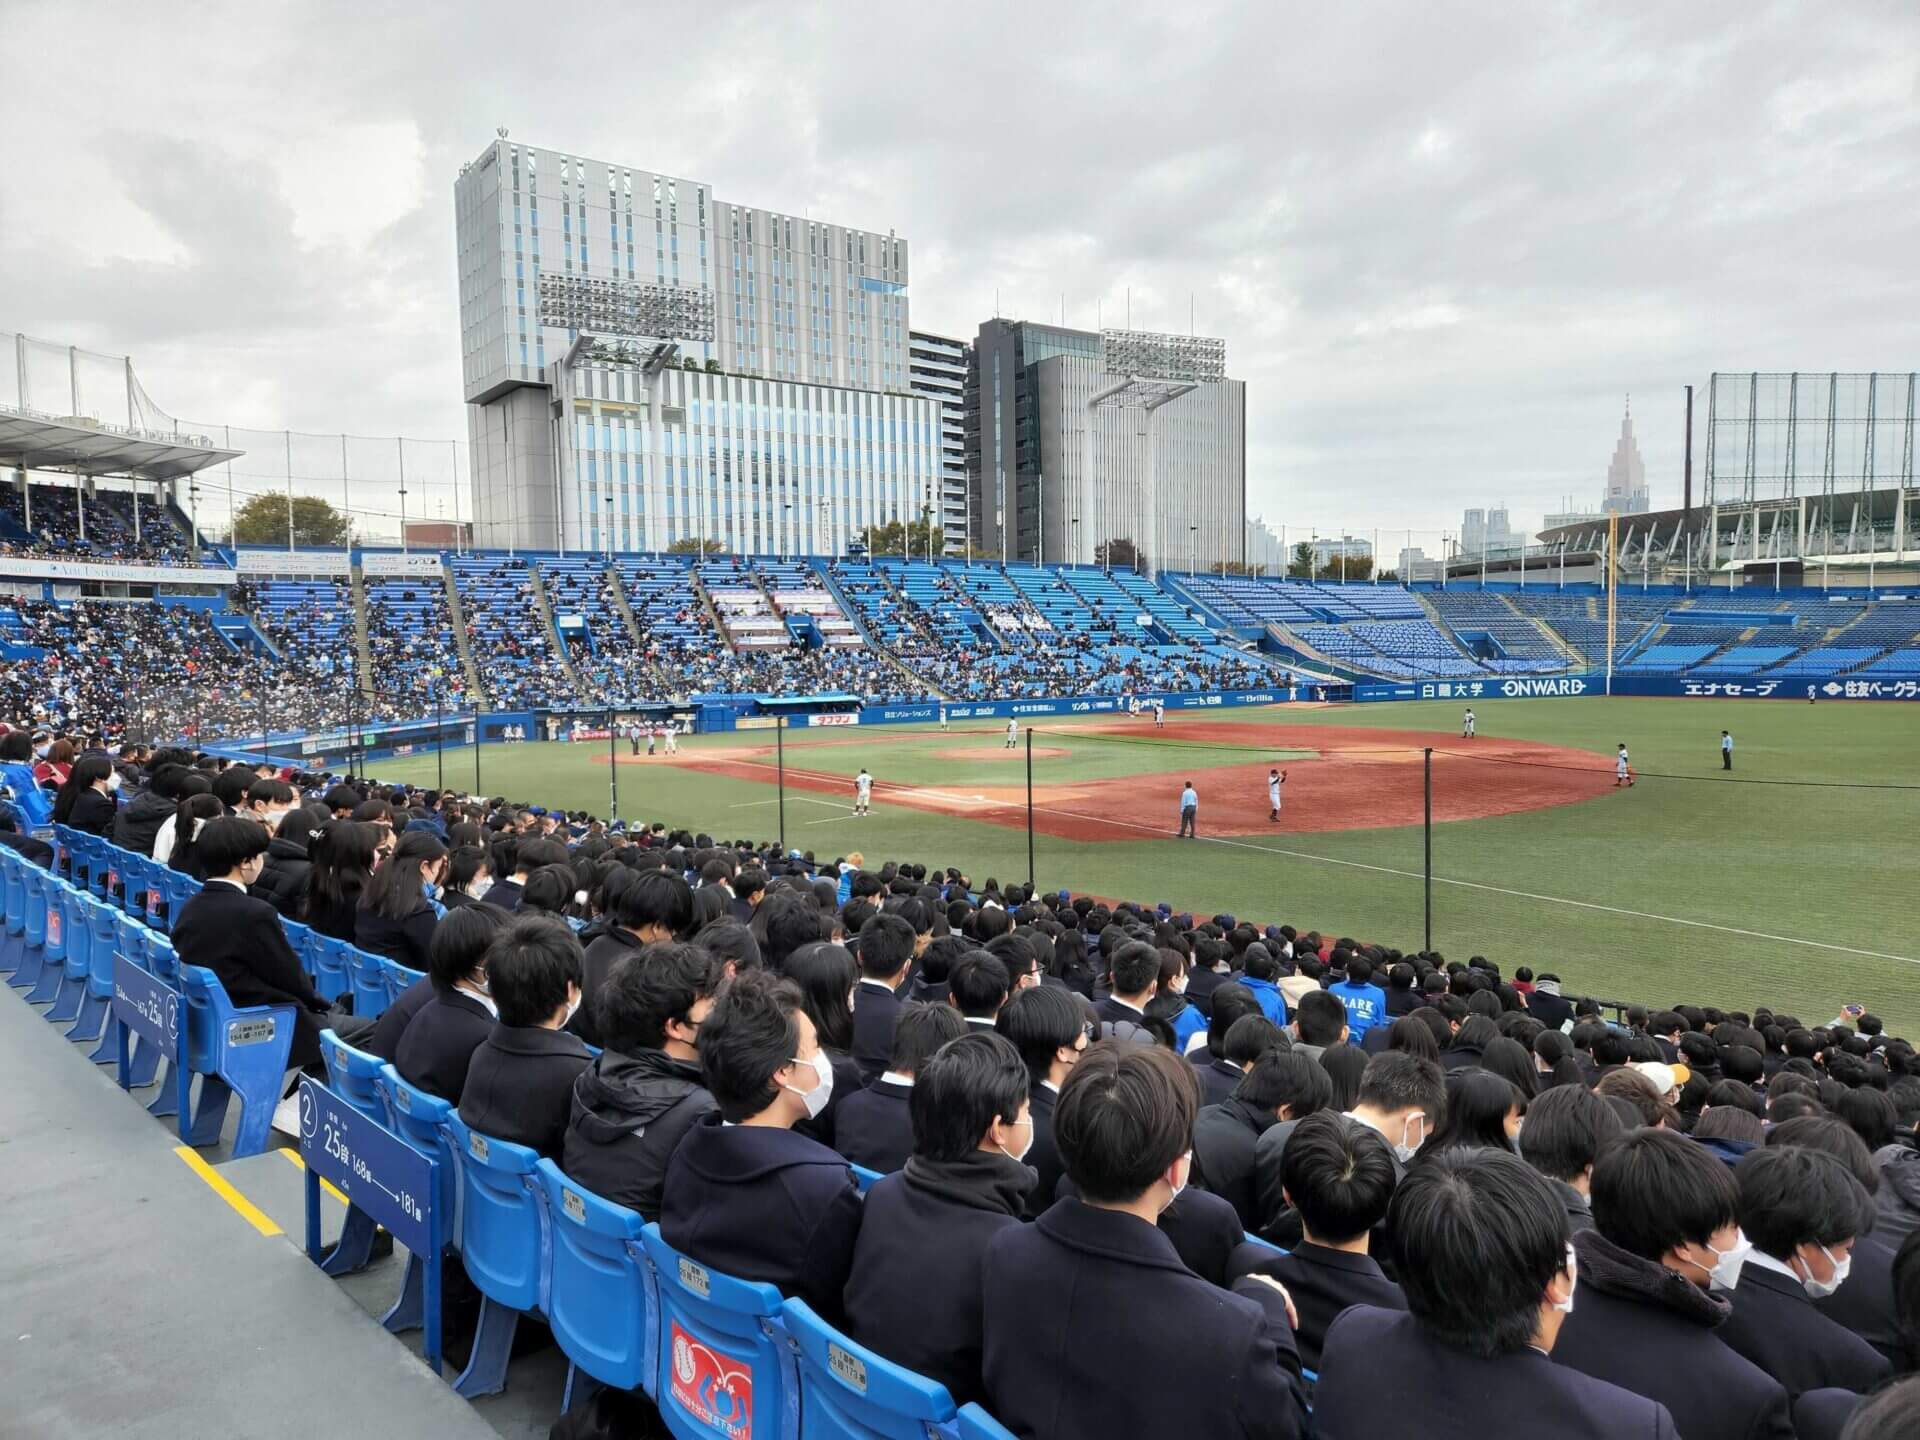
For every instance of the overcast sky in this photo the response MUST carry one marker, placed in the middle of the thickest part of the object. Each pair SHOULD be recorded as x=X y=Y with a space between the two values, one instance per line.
x=1441 y=242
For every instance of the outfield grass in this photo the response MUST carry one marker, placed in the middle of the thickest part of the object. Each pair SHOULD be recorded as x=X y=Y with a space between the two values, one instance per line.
x=1723 y=889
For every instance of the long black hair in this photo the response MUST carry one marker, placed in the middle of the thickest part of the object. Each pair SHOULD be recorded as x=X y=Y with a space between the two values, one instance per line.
x=87 y=771
x=395 y=890
x=188 y=816
x=825 y=973
x=342 y=856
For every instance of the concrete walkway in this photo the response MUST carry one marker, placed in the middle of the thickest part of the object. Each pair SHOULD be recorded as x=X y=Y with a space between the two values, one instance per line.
x=135 y=1301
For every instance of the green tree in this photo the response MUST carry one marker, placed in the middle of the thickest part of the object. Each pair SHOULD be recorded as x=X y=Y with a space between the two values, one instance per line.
x=1301 y=566
x=908 y=538
x=316 y=524
x=1118 y=554
x=694 y=545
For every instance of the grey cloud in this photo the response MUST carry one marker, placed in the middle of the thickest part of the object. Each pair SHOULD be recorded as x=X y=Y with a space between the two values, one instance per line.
x=1608 y=199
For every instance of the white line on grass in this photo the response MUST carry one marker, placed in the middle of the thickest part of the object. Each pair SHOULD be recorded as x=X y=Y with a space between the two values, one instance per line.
x=796 y=799
x=1498 y=889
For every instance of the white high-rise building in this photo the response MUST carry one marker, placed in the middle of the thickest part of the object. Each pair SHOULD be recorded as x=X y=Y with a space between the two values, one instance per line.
x=783 y=418
x=939 y=369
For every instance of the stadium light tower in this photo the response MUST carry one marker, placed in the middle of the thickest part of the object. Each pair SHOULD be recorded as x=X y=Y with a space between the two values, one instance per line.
x=1153 y=371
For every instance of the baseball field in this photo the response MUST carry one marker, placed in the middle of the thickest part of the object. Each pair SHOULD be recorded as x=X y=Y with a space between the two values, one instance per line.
x=1792 y=880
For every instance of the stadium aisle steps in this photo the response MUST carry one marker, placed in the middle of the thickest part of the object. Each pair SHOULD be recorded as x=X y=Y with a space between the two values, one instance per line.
x=220 y=1330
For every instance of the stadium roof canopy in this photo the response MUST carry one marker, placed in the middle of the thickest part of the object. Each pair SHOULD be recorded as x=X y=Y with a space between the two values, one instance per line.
x=89 y=447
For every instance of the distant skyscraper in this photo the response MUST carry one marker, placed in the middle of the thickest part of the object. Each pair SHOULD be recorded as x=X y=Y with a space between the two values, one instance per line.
x=940 y=371
x=1483 y=532
x=1627 y=492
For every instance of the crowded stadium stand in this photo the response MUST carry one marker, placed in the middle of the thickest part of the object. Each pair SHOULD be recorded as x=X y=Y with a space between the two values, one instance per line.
x=108 y=524
x=511 y=643
x=584 y=596
x=408 y=620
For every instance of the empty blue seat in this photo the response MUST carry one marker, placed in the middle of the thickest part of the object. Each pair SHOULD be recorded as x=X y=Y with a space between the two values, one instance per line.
x=163 y=963
x=353 y=1075
x=105 y=922
x=601 y=1299
x=332 y=967
x=371 y=994
x=75 y=945
x=239 y=1054
x=52 y=969
x=420 y=1119
x=726 y=1363
x=13 y=894
x=34 y=883
x=503 y=1244
x=848 y=1392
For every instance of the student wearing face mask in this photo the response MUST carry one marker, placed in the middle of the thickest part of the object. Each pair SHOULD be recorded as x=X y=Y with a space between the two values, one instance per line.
x=268 y=801
x=1802 y=1209
x=1062 y=1298
x=744 y=1193
x=86 y=798
x=519 y=1084
x=430 y=1033
x=1051 y=1029
x=397 y=912
x=1486 y=1262
x=1656 y=1270
x=914 y=1294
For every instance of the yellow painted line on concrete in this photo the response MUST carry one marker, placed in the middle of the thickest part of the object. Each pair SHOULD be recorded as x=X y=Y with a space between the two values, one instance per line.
x=326 y=1185
x=222 y=1187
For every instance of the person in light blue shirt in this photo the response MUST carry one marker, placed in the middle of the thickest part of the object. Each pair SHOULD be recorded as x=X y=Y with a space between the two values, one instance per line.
x=1365 y=1002
x=1726 y=751
x=1189 y=811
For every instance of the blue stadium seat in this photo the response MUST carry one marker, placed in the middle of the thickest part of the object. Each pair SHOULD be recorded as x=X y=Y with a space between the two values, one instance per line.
x=353 y=1075
x=53 y=980
x=503 y=1244
x=726 y=1364
x=400 y=979
x=601 y=1302
x=848 y=1392
x=135 y=947
x=76 y=916
x=371 y=993
x=34 y=885
x=13 y=891
x=420 y=1119
x=977 y=1424
x=239 y=1054
x=105 y=921
x=165 y=964
x=332 y=967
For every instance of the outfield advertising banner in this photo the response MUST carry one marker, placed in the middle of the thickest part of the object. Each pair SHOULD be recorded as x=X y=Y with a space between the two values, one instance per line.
x=1536 y=687
x=1071 y=705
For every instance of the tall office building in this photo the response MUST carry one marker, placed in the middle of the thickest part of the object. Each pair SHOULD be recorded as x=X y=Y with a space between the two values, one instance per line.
x=1484 y=532
x=939 y=370
x=1029 y=389
x=1627 y=492
x=645 y=364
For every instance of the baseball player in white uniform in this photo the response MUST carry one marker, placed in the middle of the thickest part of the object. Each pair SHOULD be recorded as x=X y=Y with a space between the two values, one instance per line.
x=943 y=719
x=1275 y=779
x=673 y=737
x=1159 y=712
x=1013 y=734
x=1622 y=772
x=1466 y=725
x=863 y=793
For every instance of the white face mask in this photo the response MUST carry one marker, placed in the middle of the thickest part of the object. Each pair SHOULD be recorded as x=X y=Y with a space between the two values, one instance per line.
x=815 y=1099
x=1179 y=1189
x=1024 y=1148
x=479 y=992
x=114 y=781
x=478 y=889
x=1405 y=1150
x=1565 y=1307
x=1724 y=1273
x=573 y=1007
x=1820 y=1289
